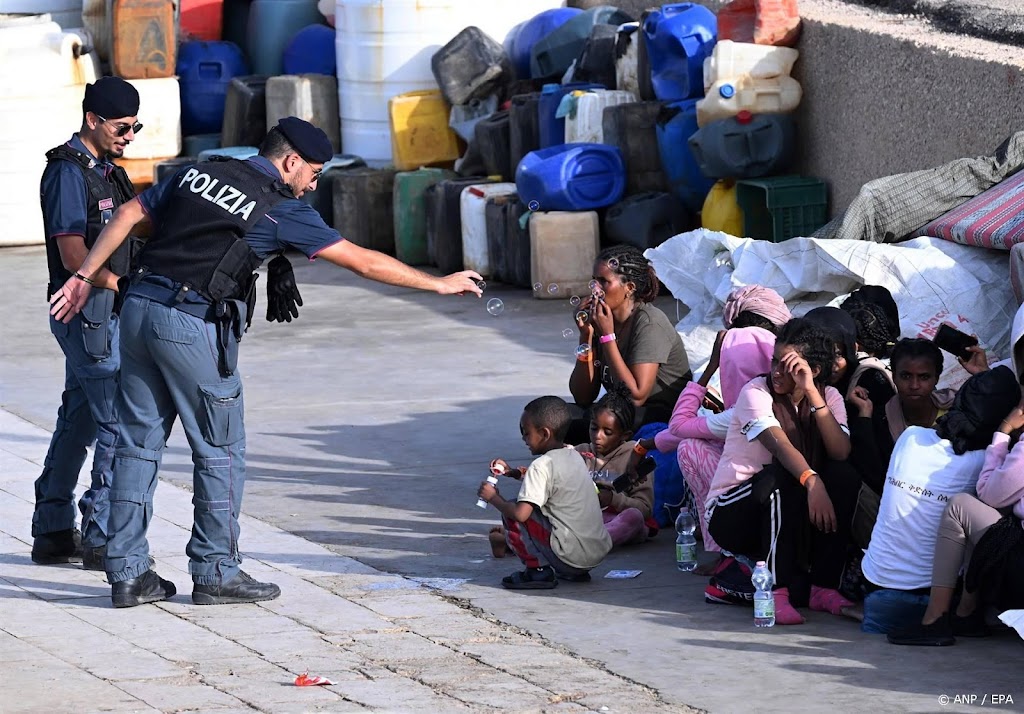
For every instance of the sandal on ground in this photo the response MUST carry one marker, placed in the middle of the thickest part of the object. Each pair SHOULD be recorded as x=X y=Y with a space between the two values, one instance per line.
x=583 y=577
x=531 y=579
x=937 y=634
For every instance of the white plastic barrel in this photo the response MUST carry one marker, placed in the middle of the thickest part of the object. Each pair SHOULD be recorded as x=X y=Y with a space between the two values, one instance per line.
x=66 y=13
x=42 y=83
x=384 y=49
x=732 y=60
x=779 y=95
x=472 y=204
x=160 y=114
x=584 y=126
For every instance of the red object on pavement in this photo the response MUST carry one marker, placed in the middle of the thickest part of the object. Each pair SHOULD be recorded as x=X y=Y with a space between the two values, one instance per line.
x=304 y=680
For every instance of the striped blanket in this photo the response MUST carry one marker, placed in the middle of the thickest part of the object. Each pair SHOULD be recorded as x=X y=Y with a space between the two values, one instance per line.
x=992 y=219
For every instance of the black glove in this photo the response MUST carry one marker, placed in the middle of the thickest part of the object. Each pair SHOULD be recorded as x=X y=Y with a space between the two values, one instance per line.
x=283 y=299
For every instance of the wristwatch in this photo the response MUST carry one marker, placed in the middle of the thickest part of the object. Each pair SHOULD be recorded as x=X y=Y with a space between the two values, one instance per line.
x=818 y=409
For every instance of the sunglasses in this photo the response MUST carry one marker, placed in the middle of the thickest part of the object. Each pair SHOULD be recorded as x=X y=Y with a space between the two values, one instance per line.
x=122 y=129
x=317 y=173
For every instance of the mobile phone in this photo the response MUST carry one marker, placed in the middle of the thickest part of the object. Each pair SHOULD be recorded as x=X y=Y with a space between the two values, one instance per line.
x=713 y=402
x=951 y=340
x=643 y=470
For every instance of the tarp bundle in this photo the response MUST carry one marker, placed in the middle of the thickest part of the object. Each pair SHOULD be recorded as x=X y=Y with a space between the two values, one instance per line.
x=933 y=281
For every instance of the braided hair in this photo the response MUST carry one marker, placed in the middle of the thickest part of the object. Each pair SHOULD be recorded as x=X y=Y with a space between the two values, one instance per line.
x=619 y=402
x=629 y=262
x=815 y=345
x=752 y=319
x=876 y=334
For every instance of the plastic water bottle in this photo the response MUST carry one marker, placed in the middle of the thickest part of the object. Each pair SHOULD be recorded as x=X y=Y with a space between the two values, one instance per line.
x=686 y=544
x=764 y=602
x=493 y=480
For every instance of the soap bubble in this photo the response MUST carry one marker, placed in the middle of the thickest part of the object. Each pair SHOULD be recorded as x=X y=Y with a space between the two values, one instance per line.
x=481 y=284
x=567 y=333
x=533 y=205
x=582 y=316
x=592 y=285
x=575 y=301
x=582 y=351
x=495 y=306
x=613 y=263
x=537 y=287
x=597 y=364
x=553 y=289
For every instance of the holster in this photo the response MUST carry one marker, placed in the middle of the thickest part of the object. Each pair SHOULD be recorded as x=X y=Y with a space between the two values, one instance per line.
x=230 y=319
x=96 y=323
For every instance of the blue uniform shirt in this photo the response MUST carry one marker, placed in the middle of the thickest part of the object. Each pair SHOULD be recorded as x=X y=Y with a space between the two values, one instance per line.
x=289 y=224
x=65 y=195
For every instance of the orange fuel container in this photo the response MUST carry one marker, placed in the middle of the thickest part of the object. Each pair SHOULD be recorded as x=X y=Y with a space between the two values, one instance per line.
x=144 y=44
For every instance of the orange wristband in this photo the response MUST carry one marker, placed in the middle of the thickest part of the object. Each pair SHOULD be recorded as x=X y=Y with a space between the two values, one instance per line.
x=588 y=357
x=639 y=450
x=806 y=475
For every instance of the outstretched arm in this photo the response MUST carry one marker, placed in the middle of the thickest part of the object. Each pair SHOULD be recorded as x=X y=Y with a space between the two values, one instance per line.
x=375 y=265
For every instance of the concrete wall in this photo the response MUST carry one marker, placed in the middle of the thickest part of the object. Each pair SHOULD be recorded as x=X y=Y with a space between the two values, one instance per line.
x=886 y=94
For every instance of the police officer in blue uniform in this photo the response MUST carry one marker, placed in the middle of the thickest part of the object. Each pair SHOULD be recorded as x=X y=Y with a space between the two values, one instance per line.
x=79 y=191
x=181 y=324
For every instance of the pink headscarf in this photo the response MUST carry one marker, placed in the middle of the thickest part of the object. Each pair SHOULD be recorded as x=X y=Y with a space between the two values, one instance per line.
x=746 y=353
x=756 y=299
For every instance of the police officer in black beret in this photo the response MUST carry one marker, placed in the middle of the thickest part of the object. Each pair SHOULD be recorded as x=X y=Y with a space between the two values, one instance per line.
x=79 y=191
x=183 y=317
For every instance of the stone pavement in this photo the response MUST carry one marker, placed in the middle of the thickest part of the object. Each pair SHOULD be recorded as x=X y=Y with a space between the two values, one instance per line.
x=387 y=642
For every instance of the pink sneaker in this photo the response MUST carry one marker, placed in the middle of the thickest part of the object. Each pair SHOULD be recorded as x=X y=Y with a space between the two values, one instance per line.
x=785 y=614
x=828 y=600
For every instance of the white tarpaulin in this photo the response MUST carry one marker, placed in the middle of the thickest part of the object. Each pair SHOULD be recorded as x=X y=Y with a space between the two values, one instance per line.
x=933 y=281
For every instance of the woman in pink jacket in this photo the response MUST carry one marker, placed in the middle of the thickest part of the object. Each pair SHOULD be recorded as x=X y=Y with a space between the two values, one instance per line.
x=741 y=354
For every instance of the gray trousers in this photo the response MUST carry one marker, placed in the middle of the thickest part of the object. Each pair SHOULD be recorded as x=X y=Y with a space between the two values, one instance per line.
x=964 y=522
x=86 y=415
x=169 y=369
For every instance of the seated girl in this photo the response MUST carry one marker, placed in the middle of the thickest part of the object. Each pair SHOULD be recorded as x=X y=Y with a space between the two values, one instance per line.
x=847 y=371
x=740 y=354
x=627 y=515
x=928 y=468
x=630 y=342
x=782 y=481
x=916 y=366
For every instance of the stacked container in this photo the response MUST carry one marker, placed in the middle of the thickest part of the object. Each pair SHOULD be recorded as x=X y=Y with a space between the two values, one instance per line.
x=144 y=39
x=205 y=70
x=312 y=97
x=363 y=211
x=420 y=135
x=585 y=124
x=475 y=248
x=563 y=248
x=410 y=213
x=43 y=73
x=678 y=38
x=160 y=114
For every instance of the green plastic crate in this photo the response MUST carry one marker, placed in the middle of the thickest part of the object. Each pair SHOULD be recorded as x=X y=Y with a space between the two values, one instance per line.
x=782 y=207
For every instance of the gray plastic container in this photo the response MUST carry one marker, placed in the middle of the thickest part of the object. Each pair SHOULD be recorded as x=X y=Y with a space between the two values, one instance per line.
x=745 y=146
x=551 y=56
x=472 y=65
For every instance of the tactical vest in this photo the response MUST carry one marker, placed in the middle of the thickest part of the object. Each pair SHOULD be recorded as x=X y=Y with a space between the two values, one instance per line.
x=201 y=238
x=105 y=195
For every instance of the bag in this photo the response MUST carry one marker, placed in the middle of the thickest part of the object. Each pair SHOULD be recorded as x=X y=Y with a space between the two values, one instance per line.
x=96 y=323
x=670 y=490
x=864 y=516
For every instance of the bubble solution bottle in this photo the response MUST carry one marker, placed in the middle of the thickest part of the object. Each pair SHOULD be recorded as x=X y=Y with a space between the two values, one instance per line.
x=686 y=544
x=764 y=602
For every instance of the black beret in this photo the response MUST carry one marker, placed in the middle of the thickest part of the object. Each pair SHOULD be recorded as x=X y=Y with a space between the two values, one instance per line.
x=111 y=98
x=309 y=141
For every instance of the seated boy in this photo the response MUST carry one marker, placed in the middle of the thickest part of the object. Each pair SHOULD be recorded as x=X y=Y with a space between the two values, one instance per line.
x=555 y=525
